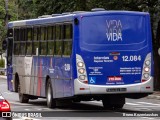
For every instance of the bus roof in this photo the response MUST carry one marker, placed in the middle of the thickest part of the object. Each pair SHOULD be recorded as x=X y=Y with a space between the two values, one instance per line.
x=67 y=18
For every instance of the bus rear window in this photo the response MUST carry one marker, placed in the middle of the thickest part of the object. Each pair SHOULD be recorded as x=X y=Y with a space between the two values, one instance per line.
x=114 y=30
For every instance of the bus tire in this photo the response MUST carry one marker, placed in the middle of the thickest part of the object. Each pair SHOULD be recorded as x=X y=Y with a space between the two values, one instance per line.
x=106 y=104
x=16 y=83
x=51 y=103
x=23 y=98
x=113 y=103
x=118 y=106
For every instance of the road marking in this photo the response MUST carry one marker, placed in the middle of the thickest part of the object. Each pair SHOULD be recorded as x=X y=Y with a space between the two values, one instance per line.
x=131 y=103
x=148 y=118
x=96 y=102
x=39 y=109
x=128 y=103
x=16 y=103
x=125 y=103
x=148 y=103
x=2 y=84
x=147 y=106
x=7 y=92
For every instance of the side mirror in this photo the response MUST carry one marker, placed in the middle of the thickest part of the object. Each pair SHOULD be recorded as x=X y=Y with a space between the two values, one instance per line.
x=4 y=44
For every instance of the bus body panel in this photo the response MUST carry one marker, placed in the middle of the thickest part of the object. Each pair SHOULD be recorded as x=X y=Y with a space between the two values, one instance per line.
x=33 y=72
x=114 y=49
x=113 y=45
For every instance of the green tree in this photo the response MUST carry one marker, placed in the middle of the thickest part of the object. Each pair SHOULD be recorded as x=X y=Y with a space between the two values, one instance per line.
x=2 y=21
x=26 y=9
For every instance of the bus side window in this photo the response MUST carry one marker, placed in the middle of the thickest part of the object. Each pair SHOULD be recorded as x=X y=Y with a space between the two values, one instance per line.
x=43 y=41
x=35 y=40
x=67 y=40
x=22 y=38
x=50 y=38
x=16 y=41
x=29 y=42
x=58 y=40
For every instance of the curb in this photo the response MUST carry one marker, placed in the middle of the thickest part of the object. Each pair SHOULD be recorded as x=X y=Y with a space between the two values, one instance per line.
x=154 y=97
x=3 y=77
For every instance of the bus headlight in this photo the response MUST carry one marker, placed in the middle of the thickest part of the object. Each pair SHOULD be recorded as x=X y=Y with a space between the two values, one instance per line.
x=81 y=70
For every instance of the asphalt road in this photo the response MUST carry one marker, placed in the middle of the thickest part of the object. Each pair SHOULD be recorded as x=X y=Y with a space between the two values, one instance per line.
x=93 y=110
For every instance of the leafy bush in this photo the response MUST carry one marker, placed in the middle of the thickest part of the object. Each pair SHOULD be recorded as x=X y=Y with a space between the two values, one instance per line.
x=1 y=63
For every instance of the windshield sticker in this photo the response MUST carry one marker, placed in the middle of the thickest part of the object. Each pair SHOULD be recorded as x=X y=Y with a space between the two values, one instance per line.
x=114 y=30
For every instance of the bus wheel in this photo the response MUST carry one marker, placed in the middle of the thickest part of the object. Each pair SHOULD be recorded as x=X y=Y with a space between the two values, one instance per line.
x=51 y=103
x=113 y=103
x=118 y=106
x=23 y=98
x=119 y=103
x=106 y=104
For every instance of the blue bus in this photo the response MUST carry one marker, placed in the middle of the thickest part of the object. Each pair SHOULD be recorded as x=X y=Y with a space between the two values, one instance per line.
x=94 y=55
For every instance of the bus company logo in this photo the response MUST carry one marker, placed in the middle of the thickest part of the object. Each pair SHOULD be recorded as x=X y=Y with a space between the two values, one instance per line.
x=115 y=57
x=114 y=78
x=114 y=30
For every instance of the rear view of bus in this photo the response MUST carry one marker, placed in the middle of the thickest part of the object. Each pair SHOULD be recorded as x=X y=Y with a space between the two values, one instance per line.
x=113 y=57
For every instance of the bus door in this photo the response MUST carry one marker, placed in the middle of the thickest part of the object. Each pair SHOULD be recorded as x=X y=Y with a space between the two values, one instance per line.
x=9 y=58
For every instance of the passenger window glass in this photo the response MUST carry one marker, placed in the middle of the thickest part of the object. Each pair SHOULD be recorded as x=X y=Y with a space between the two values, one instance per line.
x=29 y=34
x=50 y=33
x=43 y=48
x=67 y=39
x=68 y=31
x=58 y=32
x=43 y=33
x=58 y=48
x=35 y=47
x=51 y=48
x=16 y=34
x=67 y=48
x=16 y=48
x=29 y=48
x=22 y=48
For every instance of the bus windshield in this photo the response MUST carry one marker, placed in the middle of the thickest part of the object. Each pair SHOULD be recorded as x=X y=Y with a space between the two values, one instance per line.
x=107 y=31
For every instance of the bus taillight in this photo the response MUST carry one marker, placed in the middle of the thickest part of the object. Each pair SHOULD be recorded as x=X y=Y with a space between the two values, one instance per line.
x=146 y=69
x=146 y=73
x=82 y=77
x=80 y=64
x=81 y=70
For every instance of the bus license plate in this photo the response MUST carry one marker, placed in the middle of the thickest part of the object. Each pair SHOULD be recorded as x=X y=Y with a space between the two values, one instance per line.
x=116 y=89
